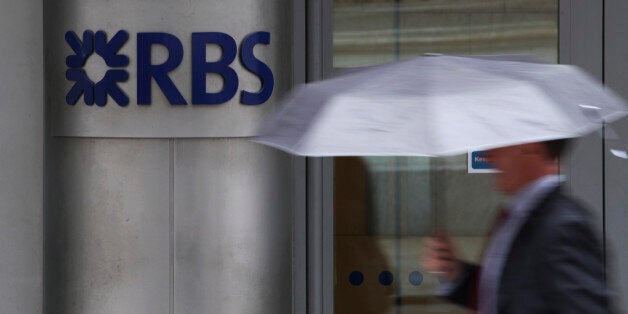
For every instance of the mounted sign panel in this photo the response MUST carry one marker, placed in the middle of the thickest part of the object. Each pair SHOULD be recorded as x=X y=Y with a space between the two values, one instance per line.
x=193 y=72
x=478 y=163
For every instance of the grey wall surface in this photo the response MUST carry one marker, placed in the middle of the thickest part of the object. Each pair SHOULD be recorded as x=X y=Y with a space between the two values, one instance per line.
x=108 y=247
x=168 y=226
x=616 y=186
x=593 y=36
x=581 y=33
x=21 y=156
x=616 y=202
x=232 y=227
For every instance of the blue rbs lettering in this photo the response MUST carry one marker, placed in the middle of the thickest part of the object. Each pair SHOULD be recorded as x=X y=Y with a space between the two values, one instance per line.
x=200 y=68
x=109 y=50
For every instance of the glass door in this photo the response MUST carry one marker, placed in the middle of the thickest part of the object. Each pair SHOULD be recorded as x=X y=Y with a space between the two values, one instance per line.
x=384 y=206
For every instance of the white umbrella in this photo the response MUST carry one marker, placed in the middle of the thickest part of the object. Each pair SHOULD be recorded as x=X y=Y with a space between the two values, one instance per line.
x=443 y=105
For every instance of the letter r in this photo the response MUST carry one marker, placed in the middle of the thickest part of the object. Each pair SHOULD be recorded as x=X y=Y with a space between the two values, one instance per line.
x=146 y=70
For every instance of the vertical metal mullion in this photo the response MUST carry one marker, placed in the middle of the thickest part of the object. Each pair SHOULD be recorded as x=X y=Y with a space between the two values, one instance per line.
x=328 y=169
x=319 y=189
x=564 y=31
x=320 y=233
x=582 y=34
x=299 y=219
x=319 y=39
x=299 y=237
x=314 y=218
x=328 y=235
x=172 y=163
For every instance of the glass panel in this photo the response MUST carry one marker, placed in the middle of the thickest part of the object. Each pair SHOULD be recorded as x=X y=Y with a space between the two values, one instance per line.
x=385 y=206
x=368 y=32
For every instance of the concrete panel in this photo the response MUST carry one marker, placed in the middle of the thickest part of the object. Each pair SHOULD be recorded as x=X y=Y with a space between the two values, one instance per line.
x=616 y=46
x=108 y=226
x=581 y=44
x=581 y=38
x=236 y=18
x=233 y=226
x=616 y=218
x=583 y=165
x=21 y=156
x=616 y=75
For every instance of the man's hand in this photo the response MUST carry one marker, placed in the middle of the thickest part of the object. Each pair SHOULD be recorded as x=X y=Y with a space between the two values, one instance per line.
x=439 y=257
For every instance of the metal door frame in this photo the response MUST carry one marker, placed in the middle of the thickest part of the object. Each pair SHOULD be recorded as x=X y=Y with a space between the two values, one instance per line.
x=314 y=260
x=313 y=199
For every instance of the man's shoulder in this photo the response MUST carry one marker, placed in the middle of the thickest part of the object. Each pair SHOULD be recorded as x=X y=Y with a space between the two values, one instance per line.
x=562 y=214
x=559 y=206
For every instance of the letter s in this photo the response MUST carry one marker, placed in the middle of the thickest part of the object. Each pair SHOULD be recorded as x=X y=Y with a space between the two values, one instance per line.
x=256 y=67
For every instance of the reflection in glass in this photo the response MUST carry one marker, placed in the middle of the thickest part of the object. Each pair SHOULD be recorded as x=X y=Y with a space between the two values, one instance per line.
x=385 y=206
x=368 y=32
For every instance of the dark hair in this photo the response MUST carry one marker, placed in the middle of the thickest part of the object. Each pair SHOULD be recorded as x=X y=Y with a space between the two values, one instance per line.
x=556 y=147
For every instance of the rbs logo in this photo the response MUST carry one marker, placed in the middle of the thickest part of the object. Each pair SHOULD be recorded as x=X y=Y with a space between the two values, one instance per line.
x=146 y=71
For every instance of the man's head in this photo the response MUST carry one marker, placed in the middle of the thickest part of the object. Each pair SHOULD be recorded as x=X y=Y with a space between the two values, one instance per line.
x=519 y=165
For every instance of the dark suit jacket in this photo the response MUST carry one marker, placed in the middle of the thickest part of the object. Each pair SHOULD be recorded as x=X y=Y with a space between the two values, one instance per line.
x=555 y=265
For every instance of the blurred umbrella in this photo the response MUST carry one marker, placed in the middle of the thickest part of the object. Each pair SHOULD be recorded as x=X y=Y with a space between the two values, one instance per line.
x=440 y=105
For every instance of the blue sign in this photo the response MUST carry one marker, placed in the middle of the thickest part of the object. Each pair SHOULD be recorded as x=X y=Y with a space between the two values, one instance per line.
x=478 y=162
x=146 y=71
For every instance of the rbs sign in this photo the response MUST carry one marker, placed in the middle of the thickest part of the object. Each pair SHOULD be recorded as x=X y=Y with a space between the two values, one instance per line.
x=146 y=71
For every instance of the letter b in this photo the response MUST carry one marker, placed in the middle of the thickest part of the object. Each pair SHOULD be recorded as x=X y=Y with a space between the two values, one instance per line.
x=200 y=68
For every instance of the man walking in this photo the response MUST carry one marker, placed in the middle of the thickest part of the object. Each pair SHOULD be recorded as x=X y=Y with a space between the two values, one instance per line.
x=542 y=256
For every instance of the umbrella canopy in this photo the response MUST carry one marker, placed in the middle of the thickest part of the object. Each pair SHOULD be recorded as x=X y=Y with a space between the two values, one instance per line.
x=442 y=105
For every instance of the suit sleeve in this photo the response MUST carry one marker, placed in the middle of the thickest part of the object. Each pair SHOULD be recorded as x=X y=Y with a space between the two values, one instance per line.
x=574 y=274
x=464 y=289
